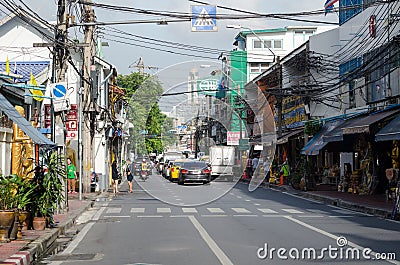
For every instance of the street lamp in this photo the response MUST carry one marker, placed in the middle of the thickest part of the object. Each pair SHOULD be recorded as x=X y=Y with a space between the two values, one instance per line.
x=252 y=31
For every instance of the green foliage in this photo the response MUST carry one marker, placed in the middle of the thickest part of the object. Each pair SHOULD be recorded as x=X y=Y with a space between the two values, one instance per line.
x=15 y=192
x=143 y=92
x=130 y=82
x=299 y=169
x=49 y=191
x=6 y=193
x=312 y=127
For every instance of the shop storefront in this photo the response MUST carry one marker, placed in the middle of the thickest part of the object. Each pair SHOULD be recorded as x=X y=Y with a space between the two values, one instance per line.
x=346 y=157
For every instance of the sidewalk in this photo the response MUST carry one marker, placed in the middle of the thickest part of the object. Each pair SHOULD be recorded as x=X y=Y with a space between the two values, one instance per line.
x=35 y=243
x=369 y=204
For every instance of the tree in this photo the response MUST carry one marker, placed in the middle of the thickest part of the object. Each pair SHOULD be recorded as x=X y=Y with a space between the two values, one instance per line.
x=142 y=94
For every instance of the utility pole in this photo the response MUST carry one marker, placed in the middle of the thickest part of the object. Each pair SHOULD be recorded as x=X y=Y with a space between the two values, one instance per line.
x=88 y=103
x=60 y=58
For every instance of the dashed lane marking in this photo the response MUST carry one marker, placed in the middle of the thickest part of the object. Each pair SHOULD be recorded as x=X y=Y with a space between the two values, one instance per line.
x=240 y=210
x=292 y=211
x=163 y=210
x=267 y=210
x=189 y=210
x=137 y=210
x=215 y=210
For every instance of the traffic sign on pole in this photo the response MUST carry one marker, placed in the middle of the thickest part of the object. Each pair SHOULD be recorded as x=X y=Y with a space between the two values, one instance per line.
x=204 y=18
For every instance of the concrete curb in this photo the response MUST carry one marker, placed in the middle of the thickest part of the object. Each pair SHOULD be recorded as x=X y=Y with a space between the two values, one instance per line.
x=41 y=245
x=19 y=258
x=348 y=205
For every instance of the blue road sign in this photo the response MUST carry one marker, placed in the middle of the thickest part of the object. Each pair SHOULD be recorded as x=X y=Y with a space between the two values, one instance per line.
x=59 y=91
x=204 y=18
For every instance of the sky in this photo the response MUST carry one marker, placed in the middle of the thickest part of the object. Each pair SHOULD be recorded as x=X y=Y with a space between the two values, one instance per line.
x=124 y=56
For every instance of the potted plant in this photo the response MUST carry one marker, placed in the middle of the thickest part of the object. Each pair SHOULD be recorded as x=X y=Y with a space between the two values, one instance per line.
x=24 y=190
x=49 y=191
x=7 y=204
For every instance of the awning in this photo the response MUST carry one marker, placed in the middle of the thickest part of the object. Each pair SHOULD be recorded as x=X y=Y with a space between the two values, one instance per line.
x=286 y=135
x=390 y=132
x=22 y=123
x=317 y=142
x=362 y=124
x=359 y=124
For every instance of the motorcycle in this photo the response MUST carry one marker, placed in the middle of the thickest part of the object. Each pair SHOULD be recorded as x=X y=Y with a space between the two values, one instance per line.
x=144 y=175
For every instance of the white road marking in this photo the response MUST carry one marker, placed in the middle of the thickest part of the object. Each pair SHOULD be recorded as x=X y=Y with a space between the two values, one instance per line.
x=81 y=235
x=98 y=214
x=239 y=197
x=292 y=211
x=311 y=216
x=241 y=215
x=257 y=204
x=214 y=215
x=163 y=210
x=117 y=216
x=327 y=234
x=240 y=210
x=150 y=216
x=114 y=210
x=267 y=210
x=275 y=215
x=189 y=210
x=137 y=210
x=247 y=200
x=215 y=210
x=178 y=216
x=210 y=242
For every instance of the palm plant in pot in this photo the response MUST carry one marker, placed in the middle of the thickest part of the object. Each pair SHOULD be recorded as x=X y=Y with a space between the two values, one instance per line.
x=24 y=190
x=7 y=204
x=49 y=191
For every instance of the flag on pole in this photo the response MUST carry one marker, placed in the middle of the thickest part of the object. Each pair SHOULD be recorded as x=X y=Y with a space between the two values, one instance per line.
x=7 y=66
x=329 y=5
x=34 y=92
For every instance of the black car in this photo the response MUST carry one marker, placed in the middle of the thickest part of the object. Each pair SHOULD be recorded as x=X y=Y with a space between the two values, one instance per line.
x=194 y=171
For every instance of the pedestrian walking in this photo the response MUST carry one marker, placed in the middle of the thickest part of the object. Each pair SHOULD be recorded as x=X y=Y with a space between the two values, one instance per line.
x=285 y=173
x=254 y=163
x=71 y=181
x=114 y=176
x=249 y=168
x=128 y=173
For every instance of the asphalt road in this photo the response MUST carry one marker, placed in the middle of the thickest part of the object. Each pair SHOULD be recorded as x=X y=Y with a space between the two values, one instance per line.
x=214 y=224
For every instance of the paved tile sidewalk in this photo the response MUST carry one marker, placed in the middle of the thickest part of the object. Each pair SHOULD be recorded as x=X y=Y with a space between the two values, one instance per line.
x=27 y=249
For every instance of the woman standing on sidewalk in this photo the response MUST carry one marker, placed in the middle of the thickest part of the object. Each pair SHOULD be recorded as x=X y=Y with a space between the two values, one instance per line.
x=128 y=173
x=71 y=169
x=114 y=176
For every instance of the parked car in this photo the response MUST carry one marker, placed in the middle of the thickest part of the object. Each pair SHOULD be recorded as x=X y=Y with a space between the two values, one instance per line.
x=194 y=171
